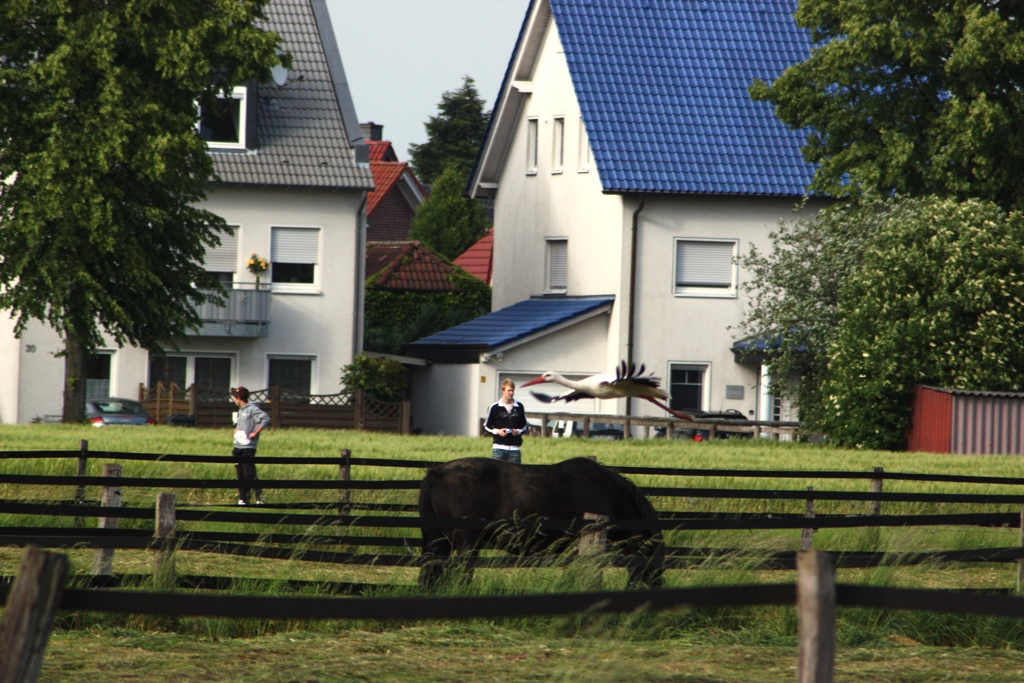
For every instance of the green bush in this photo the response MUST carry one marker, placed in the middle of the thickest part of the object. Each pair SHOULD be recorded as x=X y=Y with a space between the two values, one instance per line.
x=382 y=378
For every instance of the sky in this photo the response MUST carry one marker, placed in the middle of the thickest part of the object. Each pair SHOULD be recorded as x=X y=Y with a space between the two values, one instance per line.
x=400 y=56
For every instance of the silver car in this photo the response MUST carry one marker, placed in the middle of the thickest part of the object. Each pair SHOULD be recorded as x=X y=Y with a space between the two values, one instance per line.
x=116 y=411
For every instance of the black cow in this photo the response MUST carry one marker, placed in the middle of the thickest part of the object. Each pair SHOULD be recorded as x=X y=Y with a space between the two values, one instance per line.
x=485 y=488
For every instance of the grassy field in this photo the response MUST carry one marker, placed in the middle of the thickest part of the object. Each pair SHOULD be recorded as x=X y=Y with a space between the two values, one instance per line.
x=756 y=644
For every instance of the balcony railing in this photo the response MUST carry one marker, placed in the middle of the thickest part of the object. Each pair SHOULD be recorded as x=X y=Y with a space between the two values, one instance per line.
x=245 y=313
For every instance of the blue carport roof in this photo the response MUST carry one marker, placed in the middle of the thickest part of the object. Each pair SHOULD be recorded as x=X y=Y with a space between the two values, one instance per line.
x=505 y=326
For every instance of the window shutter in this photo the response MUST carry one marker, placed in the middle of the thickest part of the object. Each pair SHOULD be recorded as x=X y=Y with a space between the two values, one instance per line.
x=558 y=264
x=704 y=264
x=295 y=245
x=224 y=258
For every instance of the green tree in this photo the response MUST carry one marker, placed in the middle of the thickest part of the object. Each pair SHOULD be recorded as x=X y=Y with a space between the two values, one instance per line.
x=454 y=136
x=929 y=291
x=915 y=98
x=449 y=222
x=101 y=229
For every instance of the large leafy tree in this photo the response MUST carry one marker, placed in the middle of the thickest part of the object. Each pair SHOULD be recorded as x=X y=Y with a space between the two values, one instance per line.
x=918 y=97
x=453 y=136
x=912 y=291
x=103 y=166
x=449 y=222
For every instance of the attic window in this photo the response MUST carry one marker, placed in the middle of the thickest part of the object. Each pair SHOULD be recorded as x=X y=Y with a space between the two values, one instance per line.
x=224 y=128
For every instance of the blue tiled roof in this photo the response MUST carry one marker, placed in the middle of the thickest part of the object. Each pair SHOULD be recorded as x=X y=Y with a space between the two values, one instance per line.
x=509 y=324
x=662 y=86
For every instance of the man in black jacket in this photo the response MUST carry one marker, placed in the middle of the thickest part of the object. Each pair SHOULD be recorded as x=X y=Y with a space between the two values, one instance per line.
x=506 y=421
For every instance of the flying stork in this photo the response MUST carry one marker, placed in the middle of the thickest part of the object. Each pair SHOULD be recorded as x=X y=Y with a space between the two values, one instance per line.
x=626 y=383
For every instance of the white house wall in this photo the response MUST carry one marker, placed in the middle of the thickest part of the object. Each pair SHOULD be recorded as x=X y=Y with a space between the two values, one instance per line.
x=698 y=330
x=318 y=325
x=444 y=398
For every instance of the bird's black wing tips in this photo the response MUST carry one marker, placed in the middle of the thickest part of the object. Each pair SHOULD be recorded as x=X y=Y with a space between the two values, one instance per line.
x=543 y=398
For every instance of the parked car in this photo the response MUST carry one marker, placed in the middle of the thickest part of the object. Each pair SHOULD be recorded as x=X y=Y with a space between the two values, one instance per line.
x=116 y=411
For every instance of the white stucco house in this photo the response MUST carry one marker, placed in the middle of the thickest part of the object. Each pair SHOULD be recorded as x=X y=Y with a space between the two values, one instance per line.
x=294 y=175
x=628 y=168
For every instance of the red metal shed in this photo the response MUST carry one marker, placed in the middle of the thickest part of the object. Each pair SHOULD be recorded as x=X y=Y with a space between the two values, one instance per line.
x=962 y=421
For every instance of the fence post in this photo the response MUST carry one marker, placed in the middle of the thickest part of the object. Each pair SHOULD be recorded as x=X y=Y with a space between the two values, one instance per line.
x=28 y=617
x=594 y=544
x=164 y=575
x=103 y=558
x=627 y=429
x=670 y=429
x=875 y=506
x=406 y=417
x=193 y=399
x=712 y=432
x=275 y=406
x=358 y=404
x=543 y=425
x=807 y=535
x=586 y=427
x=816 y=617
x=1020 y=562
x=83 y=462
x=345 y=474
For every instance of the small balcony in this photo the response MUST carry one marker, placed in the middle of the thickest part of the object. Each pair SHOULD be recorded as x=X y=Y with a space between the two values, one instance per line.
x=245 y=313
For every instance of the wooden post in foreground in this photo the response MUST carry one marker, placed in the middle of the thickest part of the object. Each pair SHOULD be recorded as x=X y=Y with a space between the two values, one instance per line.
x=28 y=617
x=1020 y=562
x=807 y=535
x=345 y=474
x=816 y=617
x=103 y=559
x=164 y=575
x=594 y=544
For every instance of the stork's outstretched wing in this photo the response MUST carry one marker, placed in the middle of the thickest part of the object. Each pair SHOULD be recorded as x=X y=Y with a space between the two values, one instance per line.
x=631 y=374
x=567 y=396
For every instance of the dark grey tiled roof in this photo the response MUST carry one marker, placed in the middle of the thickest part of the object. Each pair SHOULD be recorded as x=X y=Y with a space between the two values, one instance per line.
x=300 y=127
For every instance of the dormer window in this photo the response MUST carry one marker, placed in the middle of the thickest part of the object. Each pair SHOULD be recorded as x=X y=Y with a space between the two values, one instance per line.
x=225 y=127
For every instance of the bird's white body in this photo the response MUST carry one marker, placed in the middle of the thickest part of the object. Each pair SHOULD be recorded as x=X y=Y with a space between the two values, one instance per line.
x=627 y=382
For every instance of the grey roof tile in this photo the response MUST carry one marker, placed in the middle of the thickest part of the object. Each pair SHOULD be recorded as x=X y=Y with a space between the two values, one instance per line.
x=300 y=129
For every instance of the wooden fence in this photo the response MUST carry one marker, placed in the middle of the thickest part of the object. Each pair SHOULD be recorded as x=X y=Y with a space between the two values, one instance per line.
x=286 y=408
x=39 y=590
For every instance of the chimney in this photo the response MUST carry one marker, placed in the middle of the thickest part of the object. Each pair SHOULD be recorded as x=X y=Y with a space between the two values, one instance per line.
x=372 y=131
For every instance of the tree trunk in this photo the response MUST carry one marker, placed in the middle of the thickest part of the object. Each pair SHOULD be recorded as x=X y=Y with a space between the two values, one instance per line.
x=74 y=380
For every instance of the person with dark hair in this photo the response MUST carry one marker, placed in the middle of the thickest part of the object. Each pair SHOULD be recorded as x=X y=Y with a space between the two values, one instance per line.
x=250 y=420
x=506 y=421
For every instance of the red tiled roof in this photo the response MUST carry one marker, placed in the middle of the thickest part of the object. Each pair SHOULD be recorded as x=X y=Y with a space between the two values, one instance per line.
x=407 y=266
x=381 y=150
x=385 y=175
x=479 y=258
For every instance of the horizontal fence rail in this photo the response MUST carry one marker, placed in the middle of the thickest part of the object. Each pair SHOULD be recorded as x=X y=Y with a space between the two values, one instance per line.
x=622 y=469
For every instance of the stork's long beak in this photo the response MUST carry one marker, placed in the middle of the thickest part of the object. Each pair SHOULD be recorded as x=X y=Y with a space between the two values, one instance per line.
x=535 y=380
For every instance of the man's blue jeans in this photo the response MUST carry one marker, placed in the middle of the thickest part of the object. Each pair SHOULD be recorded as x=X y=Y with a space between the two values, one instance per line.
x=506 y=454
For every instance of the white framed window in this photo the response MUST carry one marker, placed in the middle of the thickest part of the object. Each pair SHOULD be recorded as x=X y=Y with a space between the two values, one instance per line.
x=532 y=130
x=207 y=371
x=294 y=259
x=687 y=386
x=557 y=262
x=97 y=374
x=558 y=145
x=222 y=260
x=295 y=374
x=583 y=151
x=705 y=267
x=225 y=127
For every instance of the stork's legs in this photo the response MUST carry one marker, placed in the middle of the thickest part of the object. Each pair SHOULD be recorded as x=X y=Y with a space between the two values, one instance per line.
x=681 y=416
